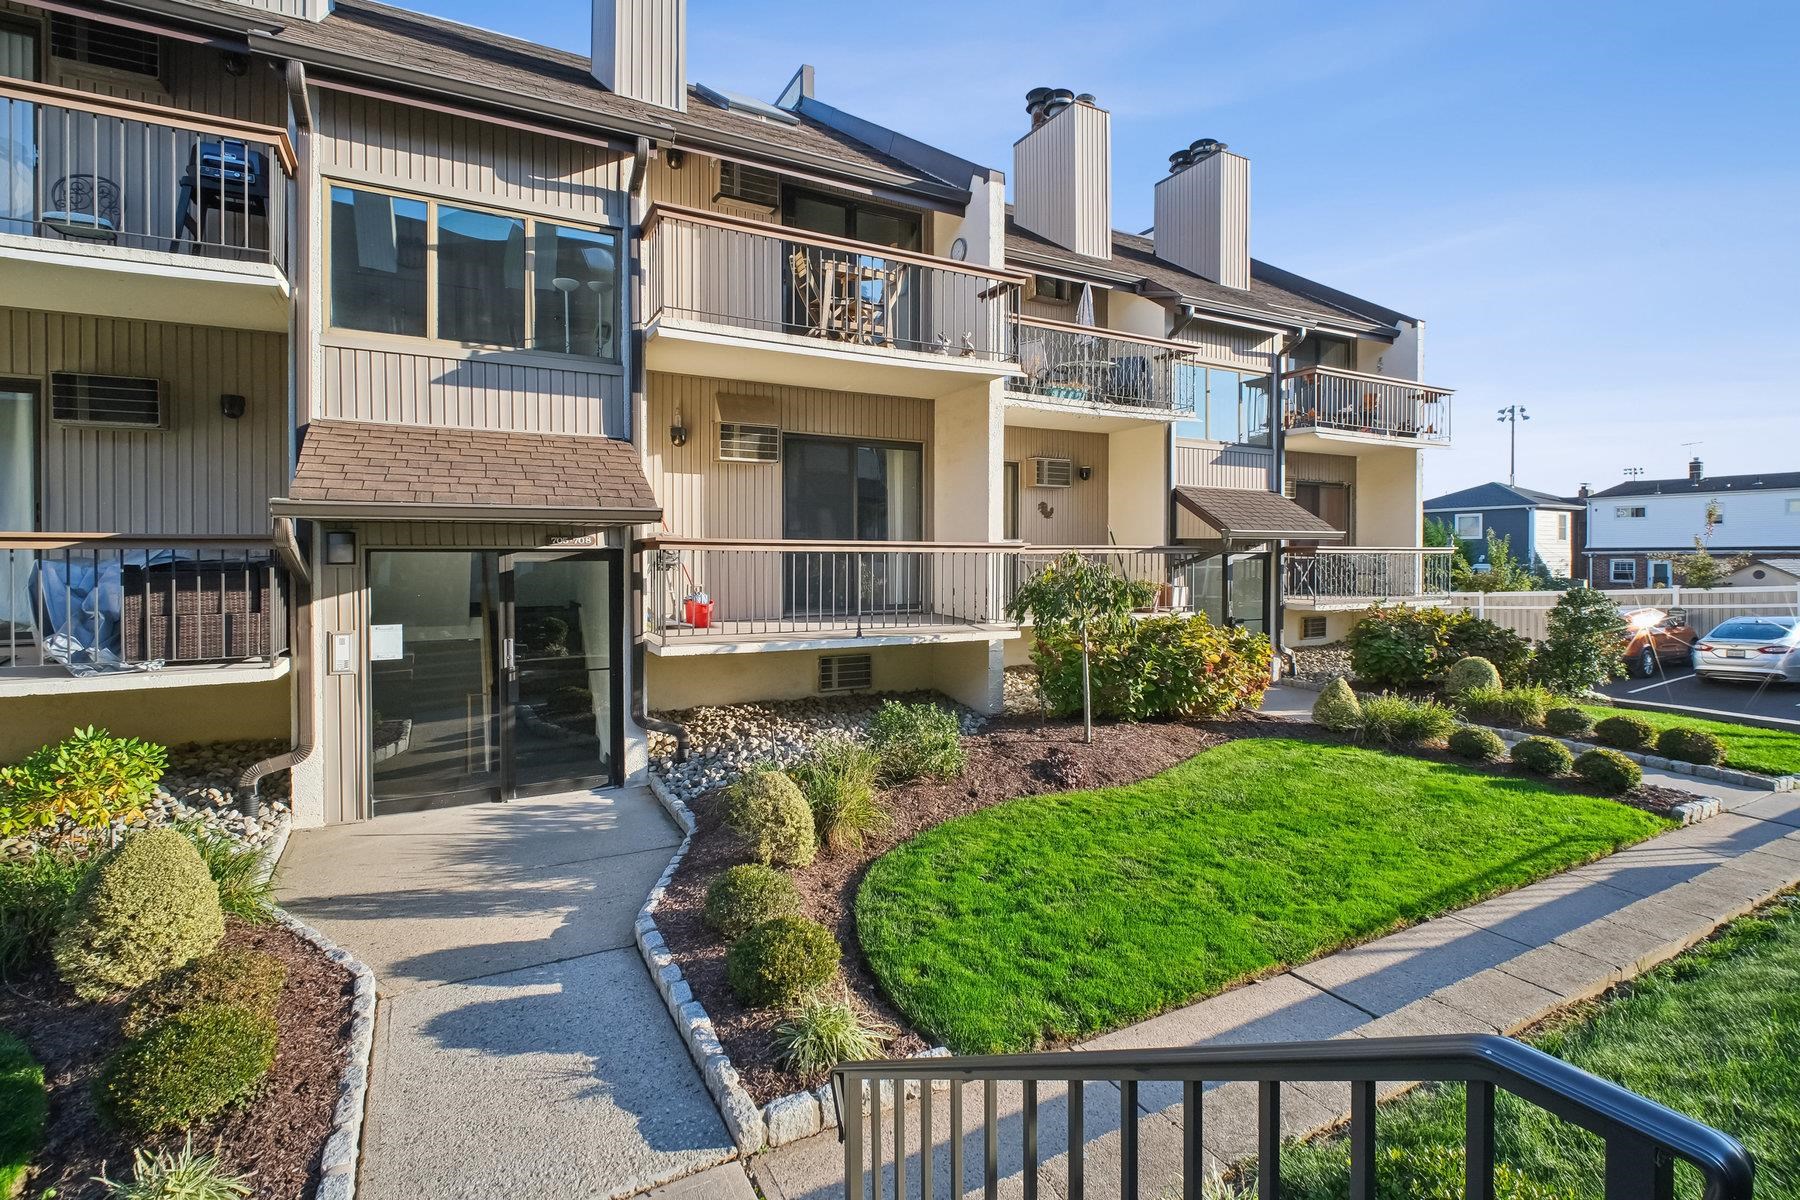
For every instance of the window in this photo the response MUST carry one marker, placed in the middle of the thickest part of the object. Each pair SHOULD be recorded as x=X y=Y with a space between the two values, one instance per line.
x=1623 y=570
x=1468 y=527
x=421 y=268
x=1629 y=511
x=1562 y=525
x=1228 y=406
x=1312 y=628
x=1060 y=291
x=1793 y=506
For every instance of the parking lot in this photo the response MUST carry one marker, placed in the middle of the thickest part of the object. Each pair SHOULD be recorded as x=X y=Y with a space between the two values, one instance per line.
x=1678 y=688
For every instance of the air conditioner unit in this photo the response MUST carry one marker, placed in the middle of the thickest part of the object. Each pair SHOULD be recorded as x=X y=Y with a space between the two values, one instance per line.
x=739 y=442
x=846 y=672
x=748 y=185
x=109 y=401
x=1052 y=472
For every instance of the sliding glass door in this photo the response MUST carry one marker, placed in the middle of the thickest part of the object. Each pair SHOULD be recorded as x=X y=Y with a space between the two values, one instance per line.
x=840 y=490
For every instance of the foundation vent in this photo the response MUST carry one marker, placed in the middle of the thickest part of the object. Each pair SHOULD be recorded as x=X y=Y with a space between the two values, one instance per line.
x=846 y=672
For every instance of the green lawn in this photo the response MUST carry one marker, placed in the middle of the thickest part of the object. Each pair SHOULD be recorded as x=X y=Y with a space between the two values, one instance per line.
x=1714 y=1034
x=22 y=1109
x=1055 y=917
x=1747 y=747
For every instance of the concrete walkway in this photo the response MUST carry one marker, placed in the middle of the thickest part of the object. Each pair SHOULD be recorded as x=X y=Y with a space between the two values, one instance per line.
x=520 y=1047
x=1494 y=967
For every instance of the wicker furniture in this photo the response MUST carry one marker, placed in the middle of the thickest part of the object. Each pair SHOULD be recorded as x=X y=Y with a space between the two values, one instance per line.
x=196 y=611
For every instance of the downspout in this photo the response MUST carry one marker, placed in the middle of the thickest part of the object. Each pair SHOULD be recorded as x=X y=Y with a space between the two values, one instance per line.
x=1278 y=485
x=640 y=705
x=287 y=546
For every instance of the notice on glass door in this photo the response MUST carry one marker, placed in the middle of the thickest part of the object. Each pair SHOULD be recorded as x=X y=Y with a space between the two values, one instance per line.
x=386 y=642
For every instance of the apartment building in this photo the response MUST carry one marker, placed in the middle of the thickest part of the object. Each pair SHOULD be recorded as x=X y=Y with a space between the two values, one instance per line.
x=1634 y=527
x=448 y=402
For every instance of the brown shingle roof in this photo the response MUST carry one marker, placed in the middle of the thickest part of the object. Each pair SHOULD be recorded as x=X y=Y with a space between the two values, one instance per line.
x=361 y=463
x=1239 y=513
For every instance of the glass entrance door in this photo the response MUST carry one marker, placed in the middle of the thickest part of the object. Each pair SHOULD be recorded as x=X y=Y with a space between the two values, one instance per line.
x=562 y=684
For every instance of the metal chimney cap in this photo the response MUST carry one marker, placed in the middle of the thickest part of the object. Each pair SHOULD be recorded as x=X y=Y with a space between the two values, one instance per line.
x=1037 y=95
x=1086 y=98
x=1204 y=147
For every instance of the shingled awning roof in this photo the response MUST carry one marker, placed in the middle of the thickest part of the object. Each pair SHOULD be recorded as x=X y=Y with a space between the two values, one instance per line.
x=1246 y=516
x=361 y=469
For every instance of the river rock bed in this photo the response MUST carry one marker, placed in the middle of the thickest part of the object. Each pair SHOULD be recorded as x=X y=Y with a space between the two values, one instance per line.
x=724 y=740
x=1321 y=664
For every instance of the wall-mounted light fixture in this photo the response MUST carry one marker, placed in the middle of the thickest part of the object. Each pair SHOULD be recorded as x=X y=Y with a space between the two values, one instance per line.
x=340 y=548
x=1086 y=473
x=236 y=65
x=677 y=157
x=678 y=431
x=231 y=407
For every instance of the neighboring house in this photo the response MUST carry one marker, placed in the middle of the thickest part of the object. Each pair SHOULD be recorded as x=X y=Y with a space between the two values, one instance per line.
x=1541 y=527
x=1634 y=526
x=445 y=402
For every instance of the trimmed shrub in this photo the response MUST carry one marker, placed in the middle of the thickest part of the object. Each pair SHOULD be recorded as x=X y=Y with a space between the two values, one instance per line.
x=1472 y=636
x=1338 y=708
x=745 y=896
x=35 y=890
x=916 y=741
x=145 y=909
x=90 y=779
x=1477 y=745
x=781 y=960
x=1687 y=744
x=246 y=890
x=1543 y=756
x=1570 y=722
x=1175 y=666
x=187 y=1067
x=178 y=1175
x=1512 y=708
x=820 y=1034
x=768 y=811
x=1625 y=733
x=1397 y=721
x=1400 y=647
x=1582 y=649
x=1609 y=771
x=247 y=979
x=1467 y=674
x=838 y=781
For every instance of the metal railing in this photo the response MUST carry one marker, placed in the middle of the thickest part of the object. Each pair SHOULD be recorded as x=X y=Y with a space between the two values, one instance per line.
x=95 y=604
x=724 y=270
x=1642 y=1139
x=1330 y=572
x=1076 y=364
x=78 y=167
x=1352 y=402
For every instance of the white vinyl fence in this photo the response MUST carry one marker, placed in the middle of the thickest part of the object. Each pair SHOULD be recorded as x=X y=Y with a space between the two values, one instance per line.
x=1528 y=613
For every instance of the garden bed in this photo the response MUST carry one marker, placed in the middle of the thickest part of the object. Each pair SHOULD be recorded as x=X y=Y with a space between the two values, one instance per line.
x=1751 y=748
x=1019 y=757
x=276 y=1137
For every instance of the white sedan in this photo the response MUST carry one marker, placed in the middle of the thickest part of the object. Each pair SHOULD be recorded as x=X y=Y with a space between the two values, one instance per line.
x=1760 y=648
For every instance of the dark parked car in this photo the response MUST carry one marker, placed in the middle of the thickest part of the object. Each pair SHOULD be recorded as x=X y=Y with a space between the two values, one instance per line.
x=1657 y=638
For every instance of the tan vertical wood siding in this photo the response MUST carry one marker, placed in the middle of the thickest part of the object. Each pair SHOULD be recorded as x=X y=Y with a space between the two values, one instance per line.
x=434 y=389
x=1203 y=219
x=1078 y=515
x=640 y=49
x=1062 y=180
x=204 y=473
x=1208 y=464
x=1321 y=468
x=1227 y=346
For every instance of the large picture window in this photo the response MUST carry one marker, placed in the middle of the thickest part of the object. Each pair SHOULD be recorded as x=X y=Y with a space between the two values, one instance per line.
x=1229 y=406
x=421 y=268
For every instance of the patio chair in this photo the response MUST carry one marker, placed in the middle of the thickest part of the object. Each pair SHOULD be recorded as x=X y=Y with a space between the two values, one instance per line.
x=84 y=208
x=807 y=296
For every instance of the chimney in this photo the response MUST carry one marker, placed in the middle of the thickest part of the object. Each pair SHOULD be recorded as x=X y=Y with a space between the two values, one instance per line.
x=1583 y=492
x=1062 y=172
x=1203 y=213
x=640 y=50
x=1695 y=469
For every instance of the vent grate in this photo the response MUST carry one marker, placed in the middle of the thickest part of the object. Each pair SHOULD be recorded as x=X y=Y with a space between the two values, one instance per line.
x=111 y=400
x=739 y=442
x=1052 y=472
x=748 y=185
x=846 y=672
x=1312 y=628
x=98 y=45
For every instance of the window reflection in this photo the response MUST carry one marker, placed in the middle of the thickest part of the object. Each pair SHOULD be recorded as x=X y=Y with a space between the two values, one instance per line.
x=377 y=262
x=481 y=277
x=577 y=273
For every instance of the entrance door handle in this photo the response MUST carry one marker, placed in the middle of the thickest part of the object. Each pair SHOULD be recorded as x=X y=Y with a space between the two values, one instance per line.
x=507 y=659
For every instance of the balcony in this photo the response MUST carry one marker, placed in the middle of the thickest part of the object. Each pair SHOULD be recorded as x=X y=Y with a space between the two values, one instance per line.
x=99 y=612
x=1329 y=411
x=1079 y=377
x=741 y=299
x=124 y=209
x=1355 y=576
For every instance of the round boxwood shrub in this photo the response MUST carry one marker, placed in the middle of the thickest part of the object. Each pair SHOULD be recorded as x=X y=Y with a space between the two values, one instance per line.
x=1570 y=722
x=1337 y=707
x=1609 y=771
x=1468 y=673
x=1687 y=744
x=1477 y=744
x=187 y=1067
x=768 y=811
x=147 y=907
x=746 y=896
x=248 y=979
x=1624 y=733
x=1543 y=756
x=780 y=961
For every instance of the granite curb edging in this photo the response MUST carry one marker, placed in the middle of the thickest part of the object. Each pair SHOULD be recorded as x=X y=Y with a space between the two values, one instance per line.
x=784 y=1119
x=338 y=1160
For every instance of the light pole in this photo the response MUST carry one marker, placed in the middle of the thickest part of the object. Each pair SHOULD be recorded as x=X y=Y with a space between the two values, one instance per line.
x=1511 y=415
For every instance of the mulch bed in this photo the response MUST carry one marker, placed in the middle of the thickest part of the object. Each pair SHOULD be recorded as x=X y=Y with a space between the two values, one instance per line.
x=275 y=1139
x=1013 y=757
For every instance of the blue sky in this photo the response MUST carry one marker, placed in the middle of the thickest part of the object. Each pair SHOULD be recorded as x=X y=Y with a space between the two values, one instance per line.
x=1595 y=205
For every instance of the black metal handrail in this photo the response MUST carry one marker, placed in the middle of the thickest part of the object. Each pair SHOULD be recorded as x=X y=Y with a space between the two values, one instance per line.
x=1643 y=1139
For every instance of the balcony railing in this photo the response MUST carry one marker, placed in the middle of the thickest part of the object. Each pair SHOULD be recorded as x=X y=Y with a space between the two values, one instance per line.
x=94 y=604
x=1077 y=364
x=81 y=168
x=1355 y=571
x=722 y=270
x=1101 y=1147
x=1325 y=398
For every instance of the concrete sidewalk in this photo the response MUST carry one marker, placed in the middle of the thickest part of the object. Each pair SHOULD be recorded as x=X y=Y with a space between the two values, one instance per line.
x=1494 y=967
x=520 y=1048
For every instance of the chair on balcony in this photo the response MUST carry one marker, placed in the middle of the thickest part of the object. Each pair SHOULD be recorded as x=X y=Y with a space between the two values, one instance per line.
x=84 y=208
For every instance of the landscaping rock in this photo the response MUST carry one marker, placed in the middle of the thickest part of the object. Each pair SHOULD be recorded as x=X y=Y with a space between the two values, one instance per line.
x=1321 y=664
x=792 y=1117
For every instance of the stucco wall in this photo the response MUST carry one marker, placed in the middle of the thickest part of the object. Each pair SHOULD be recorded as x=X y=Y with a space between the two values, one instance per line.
x=967 y=671
x=212 y=713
